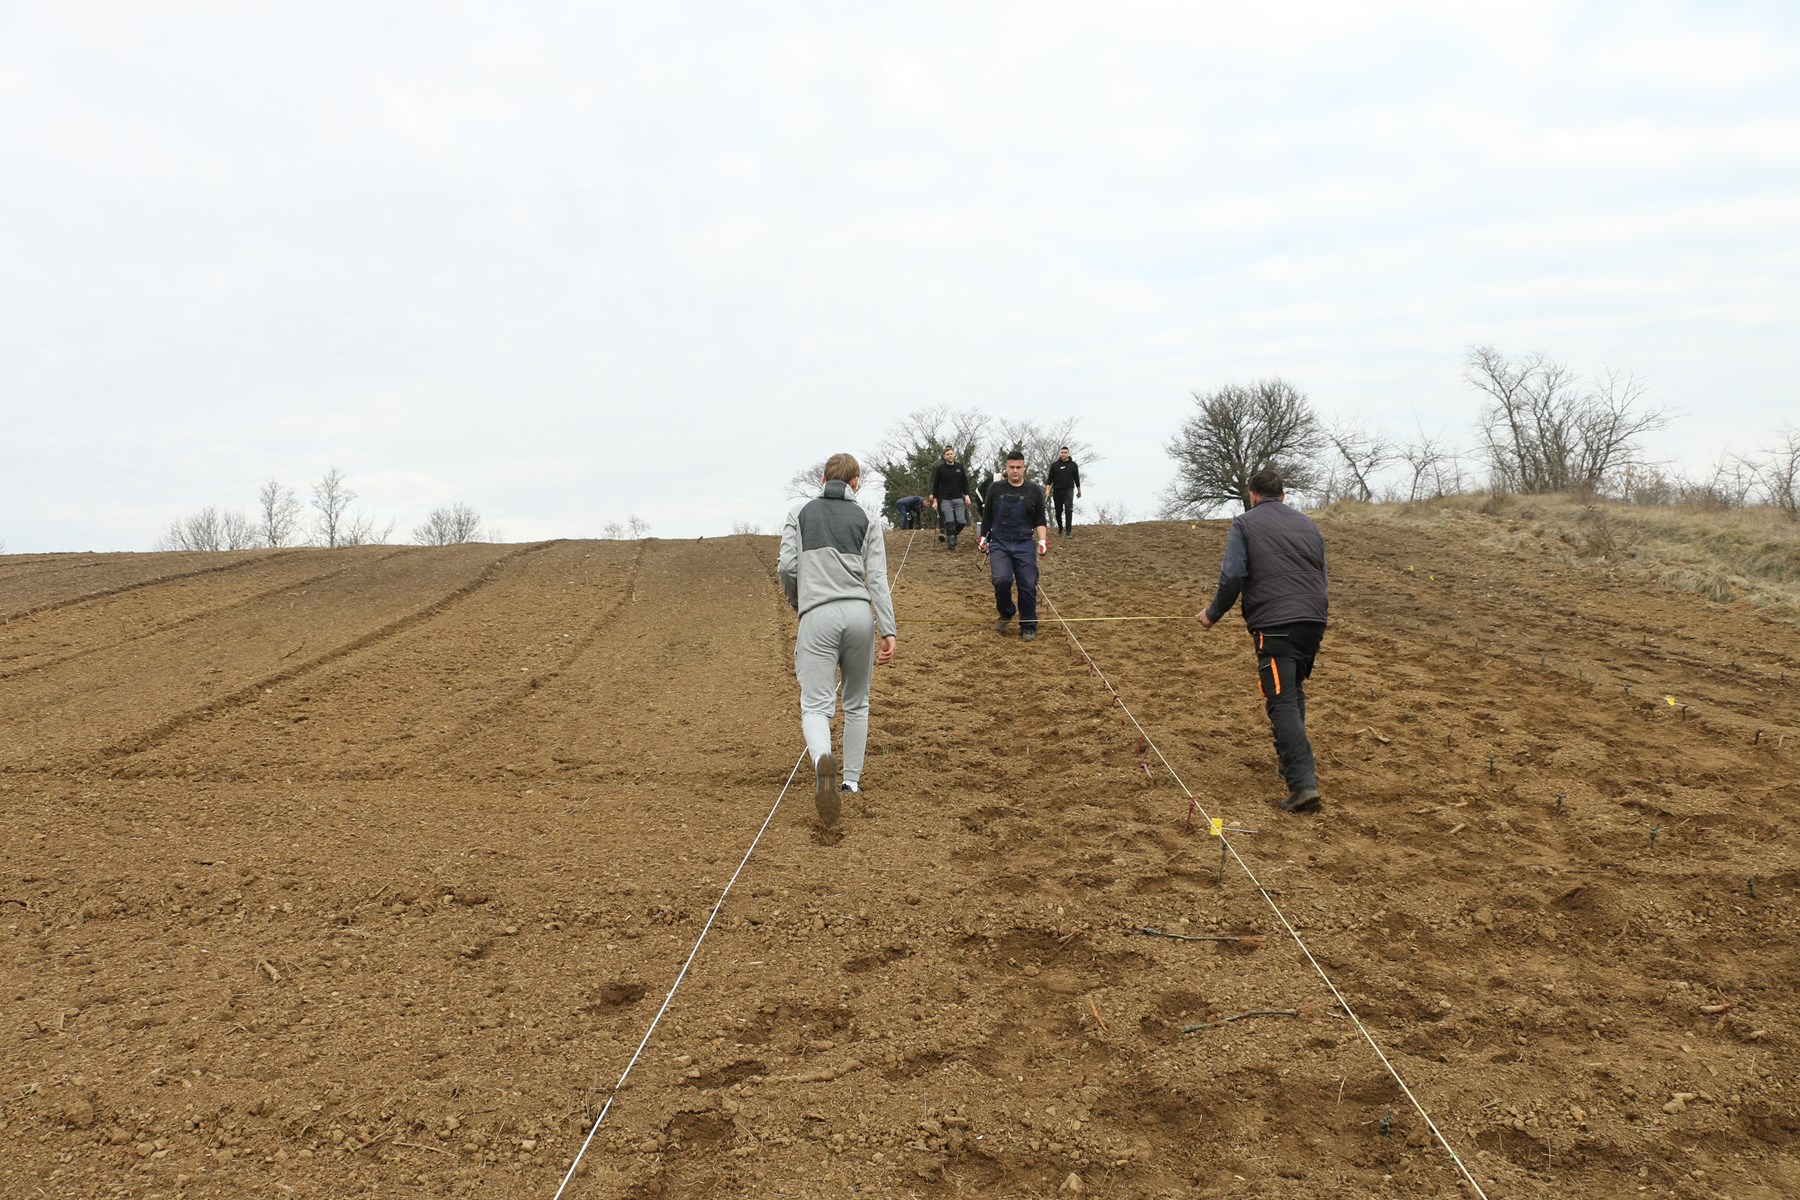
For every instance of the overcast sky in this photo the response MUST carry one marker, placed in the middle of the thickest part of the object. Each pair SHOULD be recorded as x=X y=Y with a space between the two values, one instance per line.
x=571 y=262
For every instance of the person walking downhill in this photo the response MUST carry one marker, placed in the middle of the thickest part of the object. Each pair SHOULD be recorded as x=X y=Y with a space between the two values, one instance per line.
x=1012 y=532
x=950 y=496
x=1063 y=480
x=1275 y=558
x=833 y=568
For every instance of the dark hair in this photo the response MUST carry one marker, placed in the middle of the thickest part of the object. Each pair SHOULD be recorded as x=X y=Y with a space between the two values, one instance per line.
x=1015 y=452
x=1268 y=482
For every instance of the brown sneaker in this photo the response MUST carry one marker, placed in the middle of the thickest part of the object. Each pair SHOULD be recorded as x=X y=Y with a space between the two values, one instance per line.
x=825 y=789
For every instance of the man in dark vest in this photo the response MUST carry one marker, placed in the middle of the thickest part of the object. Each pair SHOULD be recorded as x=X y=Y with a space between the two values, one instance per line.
x=1275 y=558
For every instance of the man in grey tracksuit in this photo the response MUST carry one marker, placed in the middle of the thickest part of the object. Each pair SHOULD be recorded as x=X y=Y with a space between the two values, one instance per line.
x=1275 y=558
x=833 y=567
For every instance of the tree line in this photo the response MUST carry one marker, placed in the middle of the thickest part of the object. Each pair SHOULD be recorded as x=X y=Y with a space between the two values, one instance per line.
x=280 y=519
x=913 y=447
x=329 y=519
x=1542 y=428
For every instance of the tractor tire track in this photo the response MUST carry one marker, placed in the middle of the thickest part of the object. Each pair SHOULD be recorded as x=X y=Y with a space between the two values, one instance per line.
x=148 y=739
x=136 y=585
x=572 y=653
x=191 y=618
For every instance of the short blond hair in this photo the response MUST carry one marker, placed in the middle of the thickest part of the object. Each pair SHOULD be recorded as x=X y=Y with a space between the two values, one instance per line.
x=842 y=468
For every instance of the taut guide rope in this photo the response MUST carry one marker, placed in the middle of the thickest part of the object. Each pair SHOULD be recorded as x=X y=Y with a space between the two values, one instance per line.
x=695 y=952
x=1193 y=804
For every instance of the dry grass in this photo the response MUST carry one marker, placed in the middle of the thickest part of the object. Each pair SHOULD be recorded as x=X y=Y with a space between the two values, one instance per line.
x=1725 y=556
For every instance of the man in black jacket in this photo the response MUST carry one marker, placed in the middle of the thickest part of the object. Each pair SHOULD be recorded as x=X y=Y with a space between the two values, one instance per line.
x=950 y=496
x=1275 y=557
x=1064 y=481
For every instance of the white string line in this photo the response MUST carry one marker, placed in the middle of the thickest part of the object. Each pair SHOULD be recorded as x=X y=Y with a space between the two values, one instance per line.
x=1193 y=803
x=695 y=952
x=669 y=999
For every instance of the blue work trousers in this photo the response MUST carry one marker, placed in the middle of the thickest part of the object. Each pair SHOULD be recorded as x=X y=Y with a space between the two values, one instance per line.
x=1012 y=563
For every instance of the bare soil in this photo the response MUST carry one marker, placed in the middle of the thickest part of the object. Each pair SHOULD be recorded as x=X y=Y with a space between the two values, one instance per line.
x=358 y=872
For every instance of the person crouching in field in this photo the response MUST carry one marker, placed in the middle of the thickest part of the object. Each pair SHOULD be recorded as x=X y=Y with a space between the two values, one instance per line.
x=1275 y=558
x=833 y=567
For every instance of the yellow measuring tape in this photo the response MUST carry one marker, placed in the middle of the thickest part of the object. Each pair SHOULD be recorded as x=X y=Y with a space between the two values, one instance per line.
x=1060 y=620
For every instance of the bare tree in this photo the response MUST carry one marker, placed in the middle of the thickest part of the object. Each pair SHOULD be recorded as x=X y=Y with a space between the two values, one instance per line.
x=1109 y=513
x=449 y=526
x=1042 y=444
x=738 y=527
x=805 y=483
x=638 y=526
x=332 y=497
x=1238 y=431
x=360 y=530
x=1361 y=452
x=912 y=449
x=1732 y=482
x=1779 y=474
x=278 y=512
x=613 y=531
x=209 y=529
x=1545 y=430
x=338 y=526
x=1435 y=469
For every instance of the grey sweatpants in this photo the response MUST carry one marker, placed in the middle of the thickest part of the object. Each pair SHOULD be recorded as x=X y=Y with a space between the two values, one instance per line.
x=836 y=638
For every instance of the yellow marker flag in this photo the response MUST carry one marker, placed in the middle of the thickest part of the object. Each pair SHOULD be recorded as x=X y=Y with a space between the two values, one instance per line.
x=1218 y=826
x=1671 y=701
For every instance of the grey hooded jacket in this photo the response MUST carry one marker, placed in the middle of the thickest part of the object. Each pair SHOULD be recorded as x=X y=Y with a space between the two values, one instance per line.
x=831 y=550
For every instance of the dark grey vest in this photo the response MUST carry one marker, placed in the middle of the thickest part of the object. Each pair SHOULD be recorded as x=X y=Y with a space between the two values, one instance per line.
x=1286 y=581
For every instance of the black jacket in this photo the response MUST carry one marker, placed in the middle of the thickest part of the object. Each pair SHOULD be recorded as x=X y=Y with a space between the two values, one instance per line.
x=1063 y=476
x=949 y=481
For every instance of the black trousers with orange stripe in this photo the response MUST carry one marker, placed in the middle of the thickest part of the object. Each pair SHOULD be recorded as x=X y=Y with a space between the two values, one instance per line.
x=1284 y=662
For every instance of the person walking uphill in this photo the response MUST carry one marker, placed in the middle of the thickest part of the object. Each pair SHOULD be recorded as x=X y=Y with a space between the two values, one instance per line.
x=1064 y=481
x=950 y=496
x=833 y=567
x=1275 y=558
x=1012 y=532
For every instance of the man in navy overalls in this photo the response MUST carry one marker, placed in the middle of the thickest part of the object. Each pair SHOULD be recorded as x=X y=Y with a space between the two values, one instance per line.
x=1013 y=533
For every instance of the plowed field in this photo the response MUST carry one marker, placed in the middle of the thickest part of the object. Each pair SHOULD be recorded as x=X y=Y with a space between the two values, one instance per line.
x=358 y=872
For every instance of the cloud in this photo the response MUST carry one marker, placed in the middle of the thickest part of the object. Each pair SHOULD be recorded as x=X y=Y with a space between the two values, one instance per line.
x=554 y=267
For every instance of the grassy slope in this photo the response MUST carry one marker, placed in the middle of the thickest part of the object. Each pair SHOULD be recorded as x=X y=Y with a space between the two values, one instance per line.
x=1724 y=556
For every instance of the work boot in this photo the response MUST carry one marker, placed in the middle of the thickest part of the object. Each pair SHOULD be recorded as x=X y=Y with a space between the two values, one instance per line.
x=1028 y=635
x=1301 y=799
x=825 y=789
x=1001 y=624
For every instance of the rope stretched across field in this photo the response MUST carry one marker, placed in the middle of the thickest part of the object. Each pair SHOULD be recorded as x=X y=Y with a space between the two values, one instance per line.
x=695 y=952
x=1193 y=805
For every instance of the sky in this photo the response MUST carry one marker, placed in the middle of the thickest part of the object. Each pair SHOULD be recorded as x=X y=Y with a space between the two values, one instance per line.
x=567 y=263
